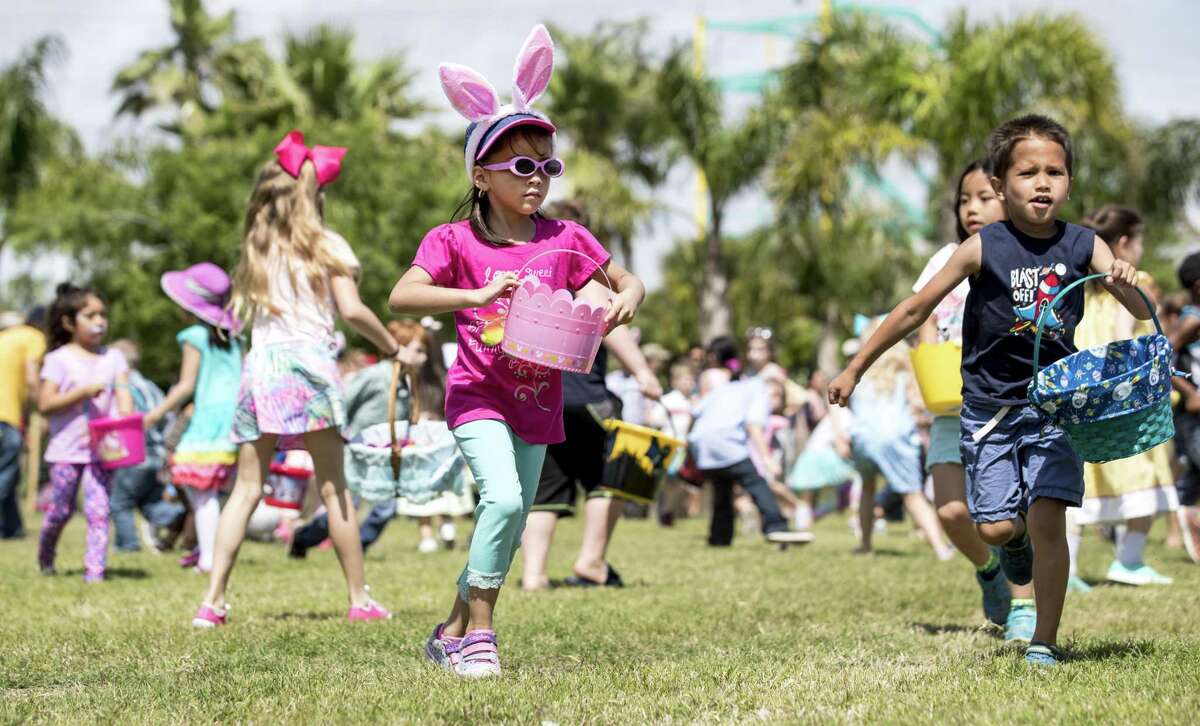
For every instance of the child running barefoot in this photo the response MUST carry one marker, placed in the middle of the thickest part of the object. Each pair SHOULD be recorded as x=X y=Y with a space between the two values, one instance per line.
x=81 y=380
x=294 y=276
x=208 y=376
x=503 y=411
x=1021 y=471
x=1007 y=605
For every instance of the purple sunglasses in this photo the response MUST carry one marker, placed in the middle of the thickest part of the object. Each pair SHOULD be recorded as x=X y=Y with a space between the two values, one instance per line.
x=524 y=166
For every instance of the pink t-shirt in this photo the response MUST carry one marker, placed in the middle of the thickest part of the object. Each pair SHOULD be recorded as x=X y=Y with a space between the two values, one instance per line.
x=484 y=382
x=68 y=369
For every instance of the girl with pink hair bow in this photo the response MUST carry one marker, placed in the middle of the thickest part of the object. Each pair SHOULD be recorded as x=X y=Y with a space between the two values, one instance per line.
x=503 y=411
x=295 y=276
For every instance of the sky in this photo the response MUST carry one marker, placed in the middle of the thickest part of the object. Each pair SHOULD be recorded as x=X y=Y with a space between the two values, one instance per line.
x=1152 y=41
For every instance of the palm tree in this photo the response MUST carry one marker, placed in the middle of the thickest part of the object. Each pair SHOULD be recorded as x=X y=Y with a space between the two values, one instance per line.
x=29 y=134
x=1168 y=159
x=190 y=75
x=950 y=95
x=605 y=99
x=731 y=156
x=823 y=181
x=332 y=84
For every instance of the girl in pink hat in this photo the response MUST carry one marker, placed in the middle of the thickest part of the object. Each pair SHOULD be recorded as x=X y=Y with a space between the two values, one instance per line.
x=295 y=277
x=208 y=376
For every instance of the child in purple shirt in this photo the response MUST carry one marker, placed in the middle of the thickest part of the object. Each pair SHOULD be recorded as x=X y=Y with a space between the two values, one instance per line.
x=81 y=380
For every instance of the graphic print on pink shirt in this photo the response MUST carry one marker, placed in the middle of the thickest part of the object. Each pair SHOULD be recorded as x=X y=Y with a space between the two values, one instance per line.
x=484 y=382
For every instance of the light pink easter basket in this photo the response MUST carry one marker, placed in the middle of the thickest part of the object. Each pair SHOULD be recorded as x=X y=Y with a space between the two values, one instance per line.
x=553 y=328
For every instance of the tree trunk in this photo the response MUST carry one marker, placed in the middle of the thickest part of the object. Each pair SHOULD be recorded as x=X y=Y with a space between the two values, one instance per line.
x=828 y=350
x=947 y=219
x=715 y=317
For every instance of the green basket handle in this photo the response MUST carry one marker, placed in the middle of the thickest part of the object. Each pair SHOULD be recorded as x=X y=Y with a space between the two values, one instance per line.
x=1037 y=343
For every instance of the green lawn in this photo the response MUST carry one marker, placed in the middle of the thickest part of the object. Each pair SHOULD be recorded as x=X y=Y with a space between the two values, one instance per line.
x=743 y=634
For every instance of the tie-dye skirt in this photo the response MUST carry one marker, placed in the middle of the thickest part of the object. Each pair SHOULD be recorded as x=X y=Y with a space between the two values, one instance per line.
x=288 y=390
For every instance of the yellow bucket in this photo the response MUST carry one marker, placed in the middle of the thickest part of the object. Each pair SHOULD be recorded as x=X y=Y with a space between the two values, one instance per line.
x=938 y=367
x=637 y=459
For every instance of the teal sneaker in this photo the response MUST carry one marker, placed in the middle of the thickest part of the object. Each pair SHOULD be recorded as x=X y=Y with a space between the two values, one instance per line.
x=1017 y=560
x=1022 y=620
x=1043 y=654
x=997 y=598
x=1136 y=576
x=1075 y=583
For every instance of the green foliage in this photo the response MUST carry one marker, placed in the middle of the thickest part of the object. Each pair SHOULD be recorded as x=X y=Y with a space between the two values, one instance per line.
x=29 y=134
x=861 y=94
x=190 y=77
x=187 y=206
x=605 y=101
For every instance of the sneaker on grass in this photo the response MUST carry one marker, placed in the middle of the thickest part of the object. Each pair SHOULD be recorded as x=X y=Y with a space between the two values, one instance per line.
x=479 y=655
x=1136 y=576
x=1043 y=654
x=1019 y=626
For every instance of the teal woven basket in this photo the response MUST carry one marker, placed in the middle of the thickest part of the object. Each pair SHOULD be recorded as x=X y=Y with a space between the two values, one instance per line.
x=1114 y=400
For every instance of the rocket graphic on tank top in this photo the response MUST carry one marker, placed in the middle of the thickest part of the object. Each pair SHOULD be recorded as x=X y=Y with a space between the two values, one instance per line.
x=1033 y=288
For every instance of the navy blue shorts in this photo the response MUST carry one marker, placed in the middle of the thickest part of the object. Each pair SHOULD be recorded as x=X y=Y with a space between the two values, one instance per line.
x=1022 y=458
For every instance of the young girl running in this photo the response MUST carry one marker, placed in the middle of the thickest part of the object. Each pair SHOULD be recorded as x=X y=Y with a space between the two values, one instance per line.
x=1128 y=493
x=503 y=411
x=884 y=442
x=1006 y=605
x=294 y=276
x=208 y=376
x=81 y=380
x=1016 y=461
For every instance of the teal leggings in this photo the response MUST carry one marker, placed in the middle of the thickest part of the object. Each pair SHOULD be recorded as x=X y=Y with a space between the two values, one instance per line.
x=507 y=471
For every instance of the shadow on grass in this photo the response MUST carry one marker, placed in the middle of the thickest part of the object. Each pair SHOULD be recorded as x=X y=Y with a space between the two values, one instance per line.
x=1112 y=650
x=113 y=573
x=562 y=584
x=884 y=552
x=950 y=628
x=309 y=616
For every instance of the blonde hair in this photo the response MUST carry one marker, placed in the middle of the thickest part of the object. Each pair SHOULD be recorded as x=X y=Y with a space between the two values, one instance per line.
x=890 y=365
x=285 y=217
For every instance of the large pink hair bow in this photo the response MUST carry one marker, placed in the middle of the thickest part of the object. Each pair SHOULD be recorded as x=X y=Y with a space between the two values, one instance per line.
x=292 y=153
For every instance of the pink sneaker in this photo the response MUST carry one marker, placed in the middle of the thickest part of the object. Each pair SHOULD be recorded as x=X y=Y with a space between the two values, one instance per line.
x=210 y=617
x=442 y=650
x=190 y=559
x=371 y=611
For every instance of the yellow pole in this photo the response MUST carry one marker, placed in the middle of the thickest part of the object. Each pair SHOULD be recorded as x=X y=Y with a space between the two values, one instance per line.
x=826 y=17
x=701 y=201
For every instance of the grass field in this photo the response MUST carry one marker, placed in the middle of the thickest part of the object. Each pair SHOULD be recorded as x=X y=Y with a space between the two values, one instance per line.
x=743 y=634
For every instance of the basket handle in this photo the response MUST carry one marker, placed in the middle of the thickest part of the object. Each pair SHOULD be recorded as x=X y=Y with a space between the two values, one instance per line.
x=414 y=409
x=670 y=422
x=598 y=266
x=1037 y=343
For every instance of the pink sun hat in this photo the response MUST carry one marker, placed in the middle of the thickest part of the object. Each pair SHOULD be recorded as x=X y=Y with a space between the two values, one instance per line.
x=203 y=291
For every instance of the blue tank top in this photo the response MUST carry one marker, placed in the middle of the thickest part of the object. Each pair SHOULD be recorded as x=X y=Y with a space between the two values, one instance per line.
x=1018 y=276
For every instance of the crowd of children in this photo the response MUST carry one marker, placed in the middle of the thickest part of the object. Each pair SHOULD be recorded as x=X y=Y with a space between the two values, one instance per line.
x=1008 y=490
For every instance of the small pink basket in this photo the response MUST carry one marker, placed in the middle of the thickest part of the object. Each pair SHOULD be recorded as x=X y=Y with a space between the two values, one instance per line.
x=551 y=327
x=118 y=442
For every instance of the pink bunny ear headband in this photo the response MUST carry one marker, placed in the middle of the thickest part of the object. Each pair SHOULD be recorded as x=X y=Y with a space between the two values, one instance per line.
x=292 y=153
x=472 y=96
